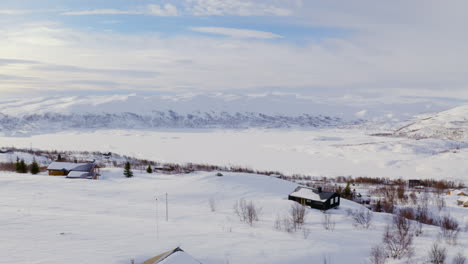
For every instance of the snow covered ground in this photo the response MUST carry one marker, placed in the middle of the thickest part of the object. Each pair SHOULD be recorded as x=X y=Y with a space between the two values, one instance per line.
x=320 y=152
x=47 y=219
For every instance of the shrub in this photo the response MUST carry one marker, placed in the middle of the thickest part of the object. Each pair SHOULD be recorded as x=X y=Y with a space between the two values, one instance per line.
x=449 y=228
x=362 y=218
x=297 y=213
x=377 y=255
x=212 y=204
x=459 y=259
x=327 y=222
x=437 y=255
x=248 y=212
x=398 y=238
x=149 y=169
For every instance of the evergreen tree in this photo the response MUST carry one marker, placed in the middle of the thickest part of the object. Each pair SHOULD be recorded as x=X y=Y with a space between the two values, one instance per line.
x=347 y=194
x=378 y=206
x=128 y=170
x=34 y=167
x=23 y=168
x=149 y=169
x=59 y=157
x=17 y=164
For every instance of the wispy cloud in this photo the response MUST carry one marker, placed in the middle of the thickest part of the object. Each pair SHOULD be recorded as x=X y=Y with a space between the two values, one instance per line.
x=153 y=10
x=15 y=11
x=77 y=69
x=237 y=33
x=101 y=12
x=236 y=8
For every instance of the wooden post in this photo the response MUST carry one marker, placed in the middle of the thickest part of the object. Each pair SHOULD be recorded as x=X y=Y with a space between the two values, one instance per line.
x=167 y=210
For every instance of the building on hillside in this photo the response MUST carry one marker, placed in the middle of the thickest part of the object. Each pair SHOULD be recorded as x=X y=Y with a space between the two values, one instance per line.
x=88 y=170
x=414 y=183
x=5 y=151
x=315 y=198
x=175 y=256
x=463 y=201
x=458 y=192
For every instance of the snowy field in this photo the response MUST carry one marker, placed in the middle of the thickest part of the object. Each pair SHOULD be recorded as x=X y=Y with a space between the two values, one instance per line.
x=47 y=219
x=321 y=152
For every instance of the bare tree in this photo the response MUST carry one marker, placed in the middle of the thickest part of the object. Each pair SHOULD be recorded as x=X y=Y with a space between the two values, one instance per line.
x=327 y=222
x=459 y=259
x=437 y=255
x=212 y=203
x=248 y=212
x=362 y=218
x=398 y=238
x=449 y=228
x=298 y=213
x=378 y=255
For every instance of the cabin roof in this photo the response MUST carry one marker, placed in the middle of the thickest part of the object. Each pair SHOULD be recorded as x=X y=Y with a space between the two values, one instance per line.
x=70 y=166
x=78 y=174
x=175 y=256
x=312 y=194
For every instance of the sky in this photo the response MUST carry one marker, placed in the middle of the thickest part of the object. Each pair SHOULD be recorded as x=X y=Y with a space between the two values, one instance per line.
x=412 y=49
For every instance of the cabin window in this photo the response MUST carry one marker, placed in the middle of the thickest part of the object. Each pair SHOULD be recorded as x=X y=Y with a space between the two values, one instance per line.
x=331 y=201
x=308 y=201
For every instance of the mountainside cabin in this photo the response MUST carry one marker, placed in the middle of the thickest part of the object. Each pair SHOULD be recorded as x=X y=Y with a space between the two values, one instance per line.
x=88 y=170
x=315 y=198
x=175 y=256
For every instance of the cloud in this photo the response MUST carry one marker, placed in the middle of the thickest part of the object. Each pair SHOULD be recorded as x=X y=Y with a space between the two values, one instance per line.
x=15 y=11
x=153 y=10
x=236 y=33
x=4 y=61
x=76 y=69
x=165 y=10
x=101 y=12
x=235 y=8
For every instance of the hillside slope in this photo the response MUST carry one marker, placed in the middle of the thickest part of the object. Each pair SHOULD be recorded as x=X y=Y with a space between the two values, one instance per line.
x=451 y=124
x=49 y=219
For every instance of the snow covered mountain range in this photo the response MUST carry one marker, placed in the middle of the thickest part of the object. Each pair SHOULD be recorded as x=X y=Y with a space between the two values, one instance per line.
x=229 y=111
x=25 y=116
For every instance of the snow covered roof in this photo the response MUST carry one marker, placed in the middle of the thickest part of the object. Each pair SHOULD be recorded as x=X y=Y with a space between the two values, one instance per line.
x=176 y=256
x=463 y=199
x=311 y=194
x=78 y=174
x=70 y=166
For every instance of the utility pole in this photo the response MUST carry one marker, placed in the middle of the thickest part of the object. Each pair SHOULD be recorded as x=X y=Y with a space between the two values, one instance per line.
x=157 y=220
x=167 y=210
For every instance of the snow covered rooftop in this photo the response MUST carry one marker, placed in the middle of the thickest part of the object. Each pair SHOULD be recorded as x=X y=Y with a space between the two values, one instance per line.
x=311 y=194
x=70 y=166
x=176 y=256
x=78 y=174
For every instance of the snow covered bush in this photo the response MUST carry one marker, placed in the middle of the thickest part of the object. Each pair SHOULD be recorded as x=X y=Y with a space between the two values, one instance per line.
x=378 y=255
x=459 y=259
x=437 y=255
x=297 y=213
x=212 y=203
x=398 y=238
x=327 y=222
x=449 y=228
x=362 y=218
x=247 y=211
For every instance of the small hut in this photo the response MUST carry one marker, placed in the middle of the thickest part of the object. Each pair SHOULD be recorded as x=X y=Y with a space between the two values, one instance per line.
x=315 y=198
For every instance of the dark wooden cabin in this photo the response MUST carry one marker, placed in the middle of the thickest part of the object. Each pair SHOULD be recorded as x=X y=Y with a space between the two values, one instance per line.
x=315 y=198
x=414 y=183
